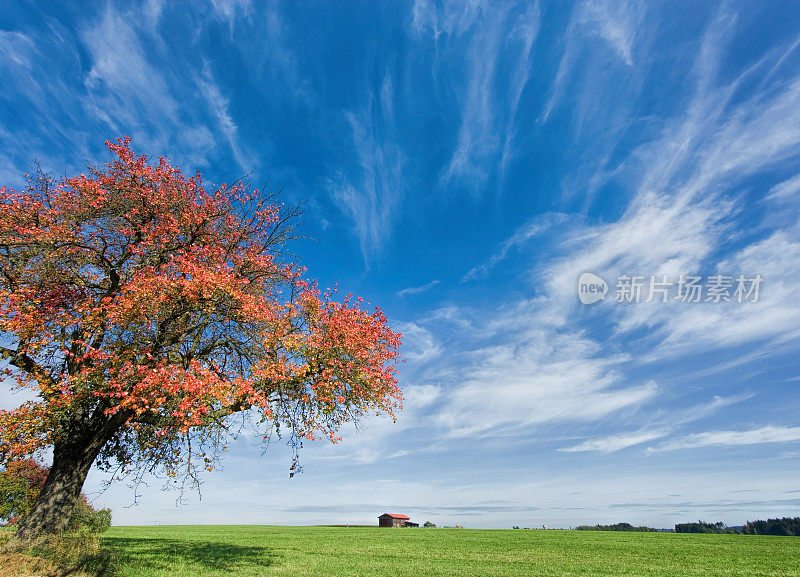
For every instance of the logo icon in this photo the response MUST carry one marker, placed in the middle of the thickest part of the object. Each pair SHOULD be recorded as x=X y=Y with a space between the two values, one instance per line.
x=591 y=288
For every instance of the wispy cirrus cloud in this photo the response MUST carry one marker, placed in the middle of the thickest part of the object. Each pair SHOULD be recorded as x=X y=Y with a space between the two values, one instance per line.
x=615 y=23
x=17 y=52
x=605 y=64
x=617 y=442
x=786 y=189
x=489 y=36
x=122 y=81
x=231 y=10
x=371 y=195
x=16 y=49
x=767 y=434
x=35 y=82
x=218 y=107
x=527 y=372
x=415 y=290
x=420 y=344
x=128 y=93
x=662 y=424
x=530 y=363
x=685 y=204
x=531 y=229
x=278 y=60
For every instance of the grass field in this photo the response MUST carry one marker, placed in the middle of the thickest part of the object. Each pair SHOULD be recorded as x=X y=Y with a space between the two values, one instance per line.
x=241 y=551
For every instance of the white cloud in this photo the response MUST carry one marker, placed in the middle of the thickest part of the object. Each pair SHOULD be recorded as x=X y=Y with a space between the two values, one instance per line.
x=423 y=16
x=679 y=417
x=522 y=235
x=661 y=424
x=614 y=443
x=420 y=397
x=279 y=58
x=655 y=236
x=375 y=437
x=130 y=94
x=533 y=374
x=218 y=106
x=786 y=189
x=616 y=23
x=531 y=362
x=684 y=209
x=10 y=397
x=16 y=50
x=525 y=31
x=419 y=344
x=413 y=290
x=230 y=10
x=122 y=81
x=153 y=10
x=775 y=316
x=372 y=197
x=768 y=434
x=32 y=83
x=488 y=102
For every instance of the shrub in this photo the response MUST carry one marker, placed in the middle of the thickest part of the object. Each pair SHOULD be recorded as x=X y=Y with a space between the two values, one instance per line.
x=88 y=519
x=20 y=483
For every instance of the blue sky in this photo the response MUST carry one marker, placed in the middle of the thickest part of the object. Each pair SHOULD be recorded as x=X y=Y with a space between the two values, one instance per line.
x=463 y=164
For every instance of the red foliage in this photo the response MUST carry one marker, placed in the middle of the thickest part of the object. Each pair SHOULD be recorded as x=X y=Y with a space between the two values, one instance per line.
x=28 y=472
x=20 y=482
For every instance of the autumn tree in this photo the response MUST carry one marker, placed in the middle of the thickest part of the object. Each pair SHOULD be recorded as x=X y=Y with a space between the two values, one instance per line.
x=20 y=482
x=147 y=311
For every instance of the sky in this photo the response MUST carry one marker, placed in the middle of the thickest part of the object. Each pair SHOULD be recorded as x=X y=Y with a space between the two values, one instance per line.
x=462 y=166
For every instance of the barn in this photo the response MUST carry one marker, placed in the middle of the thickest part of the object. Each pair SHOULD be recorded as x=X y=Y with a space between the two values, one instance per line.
x=394 y=520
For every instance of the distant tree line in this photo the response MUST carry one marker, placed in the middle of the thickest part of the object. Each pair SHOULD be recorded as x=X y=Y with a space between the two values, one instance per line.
x=704 y=527
x=616 y=527
x=784 y=526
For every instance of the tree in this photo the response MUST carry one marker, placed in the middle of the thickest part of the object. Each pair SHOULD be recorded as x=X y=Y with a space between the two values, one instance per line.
x=703 y=527
x=20 y=482
x=784 y=526
x=615 y=527
x=146 y=312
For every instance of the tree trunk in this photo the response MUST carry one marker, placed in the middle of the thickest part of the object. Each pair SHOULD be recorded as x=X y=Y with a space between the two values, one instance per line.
x=53 y=507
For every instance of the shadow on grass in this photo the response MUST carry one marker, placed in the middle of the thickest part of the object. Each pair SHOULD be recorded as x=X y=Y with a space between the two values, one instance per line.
x=166 y=553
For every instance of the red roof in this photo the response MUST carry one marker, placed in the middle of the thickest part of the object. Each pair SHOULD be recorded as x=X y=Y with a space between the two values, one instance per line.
x=395 y=516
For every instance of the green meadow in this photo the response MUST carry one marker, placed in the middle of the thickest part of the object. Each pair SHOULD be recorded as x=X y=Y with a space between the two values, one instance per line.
x=242 y=551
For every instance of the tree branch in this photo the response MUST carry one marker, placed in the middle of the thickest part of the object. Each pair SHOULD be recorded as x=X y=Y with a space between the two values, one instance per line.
x=25 y=363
